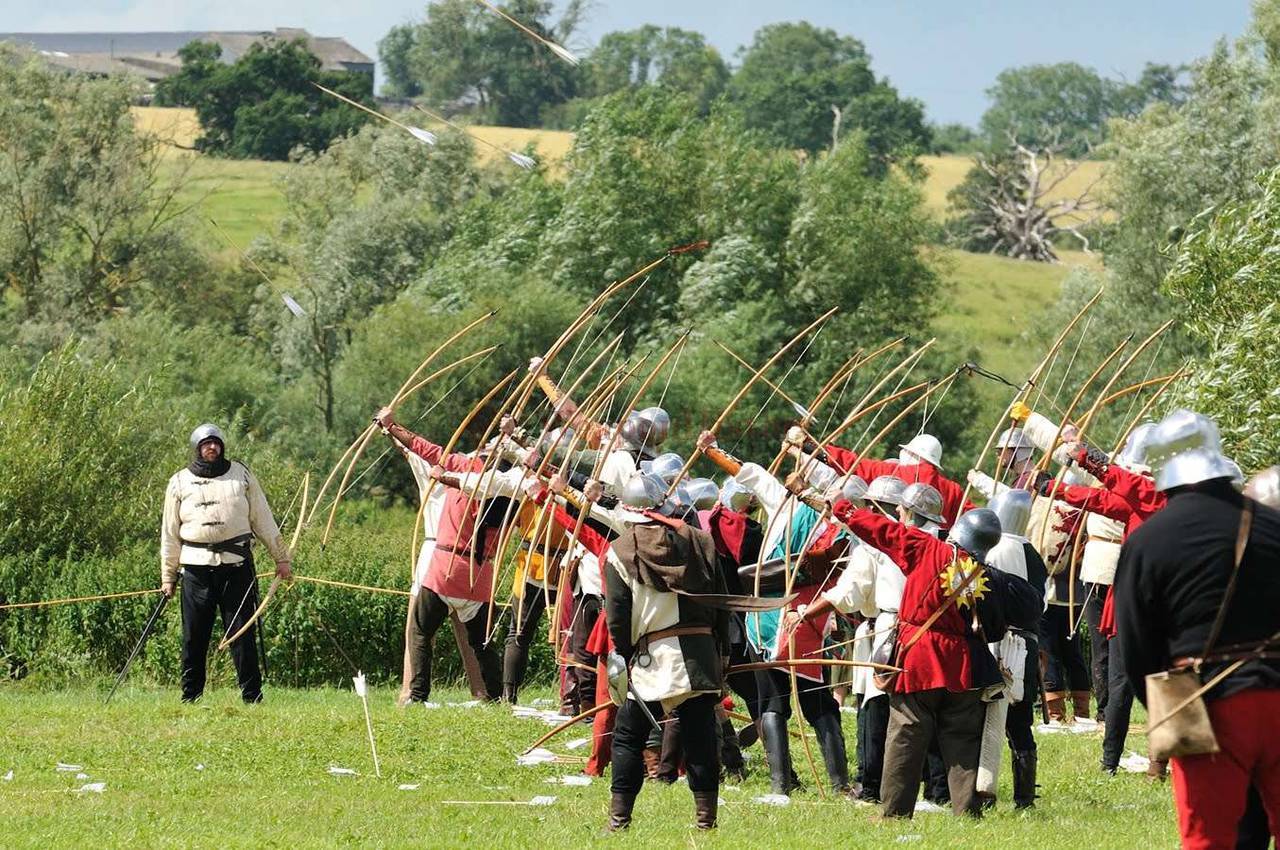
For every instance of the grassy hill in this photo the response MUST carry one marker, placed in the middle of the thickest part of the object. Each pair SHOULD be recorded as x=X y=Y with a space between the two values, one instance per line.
x=986 y=304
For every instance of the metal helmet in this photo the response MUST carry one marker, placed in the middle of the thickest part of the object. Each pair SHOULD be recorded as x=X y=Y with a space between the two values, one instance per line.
x=1185 y=448
x=976 y=532
x=1265 y=487
x=659 y=422
x=680 y=501
x=644 y=492
x=925 y=447
x=206 y=432
x=635 y=431
x=1134 y=454
x=923 y=499
x=821 y=477
x=667 y=466
x=887 y=489
x=1237 y=474
x=1016 y=441
x=703 y=492
x=1013 y=509
x=736 y=497
x=853 y=488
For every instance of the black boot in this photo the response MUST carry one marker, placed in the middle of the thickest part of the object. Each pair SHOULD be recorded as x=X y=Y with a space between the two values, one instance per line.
x=1024 y=778
x=704 y=807
x=730 y=752
x=777 y=749
x=510 y=692
x=831 y=743
x=620 y=806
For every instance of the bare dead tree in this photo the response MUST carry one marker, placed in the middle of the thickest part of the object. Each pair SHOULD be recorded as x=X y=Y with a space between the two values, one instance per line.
x=1010 y=205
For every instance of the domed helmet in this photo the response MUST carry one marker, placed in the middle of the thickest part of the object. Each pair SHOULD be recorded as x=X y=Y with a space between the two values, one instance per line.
x=203 y=434
x=644 y=492
x=923 y=499
x=922 y=447
x=736 y=497
x=851 y=487
x=1265 y=487
x=1016 y=441
x=1133 y=456
x=976 y=532
x=886 y=489
x=659 y=424
x=1185 y=449
x=1013 y=509
x=667 y=466
x=703 y=492
x=635 y=432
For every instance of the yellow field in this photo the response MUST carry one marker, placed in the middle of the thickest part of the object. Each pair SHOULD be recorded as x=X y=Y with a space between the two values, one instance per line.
x=947 y=172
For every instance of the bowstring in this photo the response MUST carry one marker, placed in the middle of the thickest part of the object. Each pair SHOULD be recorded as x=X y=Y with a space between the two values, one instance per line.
x=773 y=390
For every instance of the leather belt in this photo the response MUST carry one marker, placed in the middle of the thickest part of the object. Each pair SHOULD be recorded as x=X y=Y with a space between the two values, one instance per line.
x=459 y=553
x=676 y=631
x=1223 y=657
x=1093 y=539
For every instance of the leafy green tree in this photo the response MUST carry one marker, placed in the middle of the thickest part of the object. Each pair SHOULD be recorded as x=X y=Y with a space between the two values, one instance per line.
x=1226 y=280
x=1048 y=105
x=951 y=138
x=677 y=59
x=794 y=74
x=87 y=205
x=461 y=52
x=395 y=50
x=265 y=106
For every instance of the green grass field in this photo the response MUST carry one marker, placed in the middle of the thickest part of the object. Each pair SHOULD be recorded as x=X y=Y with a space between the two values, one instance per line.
x=235 y=776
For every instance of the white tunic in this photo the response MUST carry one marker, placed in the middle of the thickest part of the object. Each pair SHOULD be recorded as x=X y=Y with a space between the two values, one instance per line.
x=212 y=510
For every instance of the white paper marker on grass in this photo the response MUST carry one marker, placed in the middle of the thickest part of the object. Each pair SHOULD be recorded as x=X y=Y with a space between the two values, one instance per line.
x=362 y=691
x=93 y=787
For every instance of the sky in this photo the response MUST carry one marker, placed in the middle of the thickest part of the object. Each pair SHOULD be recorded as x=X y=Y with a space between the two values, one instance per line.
x=944 y=52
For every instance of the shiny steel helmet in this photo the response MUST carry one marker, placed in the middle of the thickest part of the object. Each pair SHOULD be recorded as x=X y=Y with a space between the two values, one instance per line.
x=976 y=532
x=667 y=466
x=852 y=487
x=821 y=477
x=923 y=499
x=1013 y=509
x=644 y=492
x=1016 y=440
x=207 y=432
x=1185 y=449
x=736 y=497
x=659 y=424
x=923 y=447
x=680 y=501
x=886 y=489
x=703 y=492
x=1133 y=456
x=635 y=431
x=1265 y=487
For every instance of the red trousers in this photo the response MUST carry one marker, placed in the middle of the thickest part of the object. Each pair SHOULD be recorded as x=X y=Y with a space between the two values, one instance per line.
x=602 y=725
x=1209 y=791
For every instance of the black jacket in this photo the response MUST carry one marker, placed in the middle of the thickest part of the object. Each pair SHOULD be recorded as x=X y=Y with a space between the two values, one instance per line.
x=1172 y=577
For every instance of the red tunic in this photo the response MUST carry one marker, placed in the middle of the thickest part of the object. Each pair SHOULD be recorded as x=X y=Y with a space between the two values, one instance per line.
x=453 y=563
x=845 y=461
x=1127 y=498
x=940 y=659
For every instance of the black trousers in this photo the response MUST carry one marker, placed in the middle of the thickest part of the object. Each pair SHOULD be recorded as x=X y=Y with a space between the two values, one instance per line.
x=206 y=591
x=515 y=658
x=956 y=719
x=873 y=729
x=1119 y=707
x=1099 y=647
x=1065 y=670
x=579 y=690
x=773 y=689
x=429 y=613
x=701 y=751
x=1022 y=715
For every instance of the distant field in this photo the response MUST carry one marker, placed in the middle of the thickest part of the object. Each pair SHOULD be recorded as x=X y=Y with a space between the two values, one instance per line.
x=947 y=172
x=986 y=302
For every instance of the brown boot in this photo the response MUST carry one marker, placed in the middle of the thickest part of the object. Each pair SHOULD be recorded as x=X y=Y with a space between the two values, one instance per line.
x=1157 y=770
x=705 y=804
x=1055 y=704
x=1080 y=704
x=620 y=806
x=652 y=762
x=986 y=801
